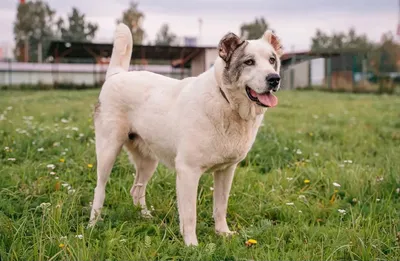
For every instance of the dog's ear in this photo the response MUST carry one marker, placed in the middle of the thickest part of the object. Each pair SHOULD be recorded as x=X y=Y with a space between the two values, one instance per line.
x=228 y=44
x=274 y=40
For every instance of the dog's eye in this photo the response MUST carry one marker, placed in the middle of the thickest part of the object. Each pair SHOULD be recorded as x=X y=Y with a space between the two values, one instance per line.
x=250 y=62
x=272 y=60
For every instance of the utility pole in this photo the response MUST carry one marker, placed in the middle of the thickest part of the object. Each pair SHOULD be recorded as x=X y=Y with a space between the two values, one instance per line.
x=200 y=32
x=398 y=23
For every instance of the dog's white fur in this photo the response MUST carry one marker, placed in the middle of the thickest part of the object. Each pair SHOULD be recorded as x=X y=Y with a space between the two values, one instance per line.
x=185 y=124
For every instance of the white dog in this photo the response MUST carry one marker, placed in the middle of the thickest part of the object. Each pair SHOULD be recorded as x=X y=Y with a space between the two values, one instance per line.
x=194 y=125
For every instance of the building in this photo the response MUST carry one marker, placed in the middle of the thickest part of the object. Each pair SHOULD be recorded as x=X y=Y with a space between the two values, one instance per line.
x=86 y=63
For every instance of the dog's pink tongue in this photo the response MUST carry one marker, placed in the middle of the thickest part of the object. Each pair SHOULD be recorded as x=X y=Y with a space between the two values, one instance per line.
x=268 y=99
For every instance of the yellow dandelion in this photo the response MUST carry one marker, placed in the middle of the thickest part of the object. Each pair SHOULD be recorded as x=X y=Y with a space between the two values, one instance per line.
x=90 y=166
x=307 y=181
x=251 y=242
x=62 y=160
x=61 y=245
x=311 y=134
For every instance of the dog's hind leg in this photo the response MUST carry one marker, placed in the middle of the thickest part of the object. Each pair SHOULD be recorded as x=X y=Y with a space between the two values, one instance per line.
x=145 y=165
x=109 y=141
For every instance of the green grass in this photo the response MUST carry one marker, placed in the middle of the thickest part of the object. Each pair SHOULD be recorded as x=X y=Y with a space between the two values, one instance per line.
x=309 y=136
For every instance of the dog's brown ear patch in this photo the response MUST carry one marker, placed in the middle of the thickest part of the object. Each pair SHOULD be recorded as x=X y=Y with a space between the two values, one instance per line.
x=228 y=44
x=274 y=40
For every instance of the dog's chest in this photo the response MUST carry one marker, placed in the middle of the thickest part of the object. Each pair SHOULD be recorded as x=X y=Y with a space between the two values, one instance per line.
x=232 y=141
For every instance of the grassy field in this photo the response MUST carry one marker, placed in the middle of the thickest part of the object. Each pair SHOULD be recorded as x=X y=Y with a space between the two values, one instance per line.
x=322 y=182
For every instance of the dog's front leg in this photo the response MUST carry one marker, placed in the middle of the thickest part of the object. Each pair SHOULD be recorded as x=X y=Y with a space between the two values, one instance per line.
x=187 y=182
x=222 y=186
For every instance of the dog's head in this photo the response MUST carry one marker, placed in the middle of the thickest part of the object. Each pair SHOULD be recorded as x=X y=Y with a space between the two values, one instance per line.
x=250 y=69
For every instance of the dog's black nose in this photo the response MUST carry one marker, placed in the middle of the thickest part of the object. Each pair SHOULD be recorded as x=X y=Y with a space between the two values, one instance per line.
x=273 y=80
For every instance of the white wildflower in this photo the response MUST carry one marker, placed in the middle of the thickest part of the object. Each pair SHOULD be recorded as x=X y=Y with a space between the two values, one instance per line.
x=52 y=173
x=40 y=149
x=211 y=188
x=56 y=144
x=315 y=116
x=11 y=159
x=286 y=148
x=75 y=128
x=336 y=184
x=9 y=108
x=398 y=190
x=348 y=161
x=316 y=154
x=289 y=178
x=302 y=197
x=341 y=165
x=378 y=199
x=51 y=166
x=298 y=151
x=79 y=236
x=290 y=204
x=342 y=211
x=45 y=205
x=64 y=120
x=71 y=191
x=379 y=179
x=6 y=148
x=63 y=153
x=81 y=135
x=63 y=238
x=300 y=211
x=65 y=185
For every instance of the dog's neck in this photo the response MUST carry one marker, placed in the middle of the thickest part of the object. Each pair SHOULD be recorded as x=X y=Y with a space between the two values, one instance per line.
x=236 y=99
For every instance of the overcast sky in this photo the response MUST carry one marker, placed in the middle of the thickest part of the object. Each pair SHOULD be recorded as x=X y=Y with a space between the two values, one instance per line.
x=295 y=21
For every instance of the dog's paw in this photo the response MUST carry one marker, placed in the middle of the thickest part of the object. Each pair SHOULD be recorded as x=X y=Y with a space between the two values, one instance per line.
x=191 y=241
x=146 y=213
x=226 y=233
x=92 y=222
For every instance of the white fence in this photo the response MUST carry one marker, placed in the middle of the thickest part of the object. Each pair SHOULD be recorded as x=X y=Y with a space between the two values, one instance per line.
x=13 y=73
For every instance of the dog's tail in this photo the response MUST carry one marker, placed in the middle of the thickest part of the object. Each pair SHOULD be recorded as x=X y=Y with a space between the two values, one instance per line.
x=122 y=50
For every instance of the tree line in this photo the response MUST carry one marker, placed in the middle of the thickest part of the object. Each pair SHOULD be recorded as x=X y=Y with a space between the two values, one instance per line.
x=36 y=25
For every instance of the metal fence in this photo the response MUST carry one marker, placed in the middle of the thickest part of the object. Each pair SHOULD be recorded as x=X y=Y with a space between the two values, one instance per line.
x=340 y=72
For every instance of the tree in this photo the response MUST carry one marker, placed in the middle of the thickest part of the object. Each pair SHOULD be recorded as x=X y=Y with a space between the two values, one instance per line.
x=254 y=30
x=77 y=28
x=33 y=30
x=384 y=59
x=322 y=42
x=164 y=36
x=133 y=18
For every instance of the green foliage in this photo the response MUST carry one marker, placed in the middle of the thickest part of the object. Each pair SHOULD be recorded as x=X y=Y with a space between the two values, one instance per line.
x=381 y=57
x=323 y=42
x=326 y=138
x=164 y=36
x=254 y=30
x=35 y=24
x=77 y=28
x=133 y=18
x=35 y=27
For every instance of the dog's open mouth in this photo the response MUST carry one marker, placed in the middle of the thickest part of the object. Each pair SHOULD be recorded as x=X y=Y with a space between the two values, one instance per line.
x=266 y=99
